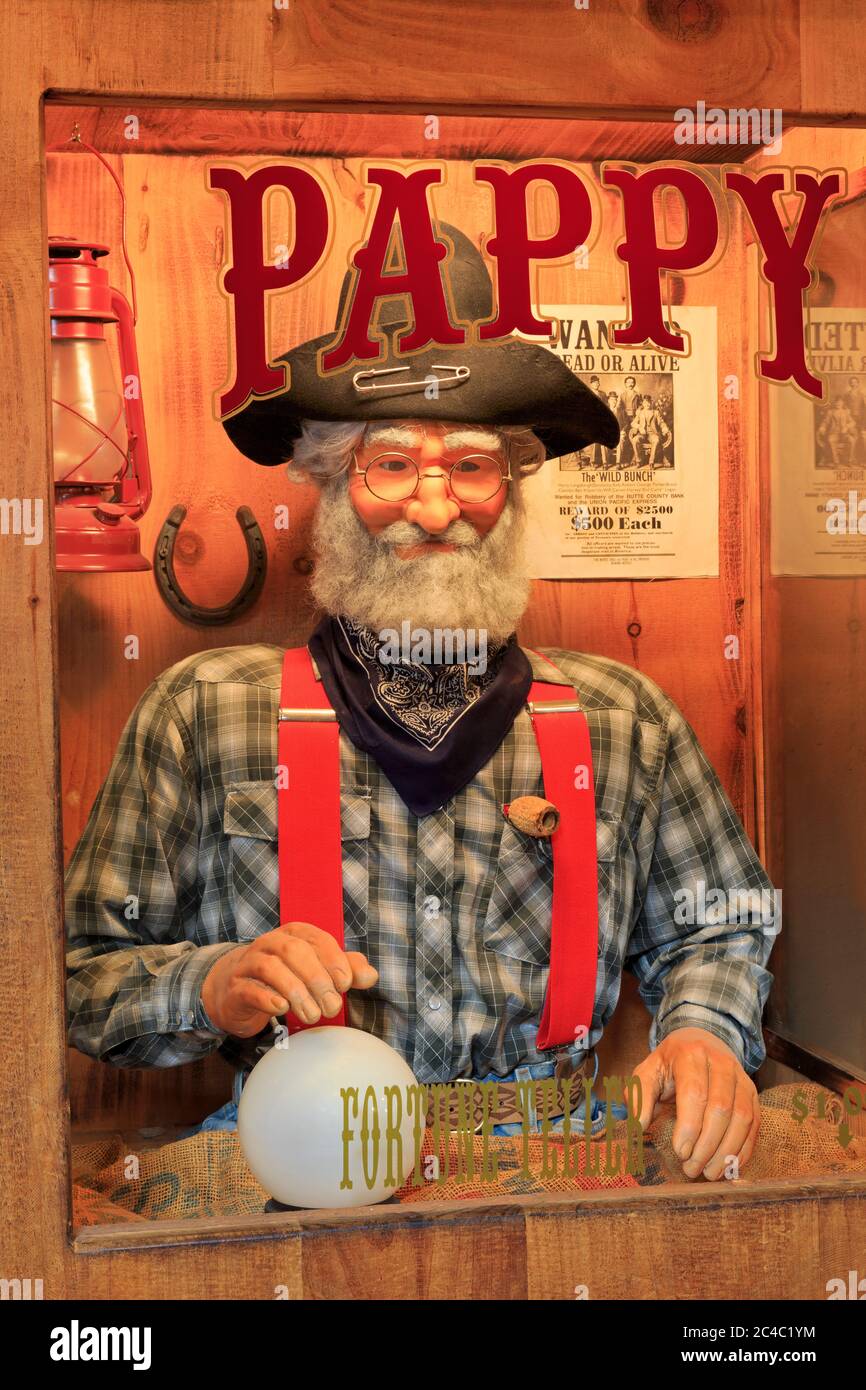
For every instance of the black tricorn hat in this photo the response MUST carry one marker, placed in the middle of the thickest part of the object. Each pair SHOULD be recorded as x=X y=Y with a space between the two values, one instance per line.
x=498 y=382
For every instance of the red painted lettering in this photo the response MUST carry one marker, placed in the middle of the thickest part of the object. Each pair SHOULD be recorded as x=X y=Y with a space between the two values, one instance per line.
x=249 y=276
x=514 y=248
x=643 y=255
x=785 y=263
x=404 y=195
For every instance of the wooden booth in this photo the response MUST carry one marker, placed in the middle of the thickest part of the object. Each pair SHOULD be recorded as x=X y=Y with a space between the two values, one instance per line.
x=333 y=85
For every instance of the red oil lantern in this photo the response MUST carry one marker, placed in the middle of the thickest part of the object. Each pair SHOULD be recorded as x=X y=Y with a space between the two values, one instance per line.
x=101 y=470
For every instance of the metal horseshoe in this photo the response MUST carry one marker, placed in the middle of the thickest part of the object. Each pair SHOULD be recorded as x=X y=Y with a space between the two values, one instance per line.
x=167 y=583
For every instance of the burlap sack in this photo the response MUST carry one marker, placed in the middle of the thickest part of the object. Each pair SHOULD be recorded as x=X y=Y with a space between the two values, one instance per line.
x=206 y=1174
x=114 y=1179
x=788 y=1146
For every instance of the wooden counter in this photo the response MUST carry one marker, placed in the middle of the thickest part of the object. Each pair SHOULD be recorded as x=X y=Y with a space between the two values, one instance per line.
x=751 y=1241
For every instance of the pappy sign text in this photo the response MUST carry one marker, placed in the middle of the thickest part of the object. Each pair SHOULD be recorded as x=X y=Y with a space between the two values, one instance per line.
x=403 y=196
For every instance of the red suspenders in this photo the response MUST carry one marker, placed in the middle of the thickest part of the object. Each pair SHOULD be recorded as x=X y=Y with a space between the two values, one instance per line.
x=308 y=807
x=310 y=865
x=562 y=734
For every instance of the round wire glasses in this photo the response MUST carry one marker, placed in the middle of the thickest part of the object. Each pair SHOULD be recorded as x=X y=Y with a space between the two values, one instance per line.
x=394 y=477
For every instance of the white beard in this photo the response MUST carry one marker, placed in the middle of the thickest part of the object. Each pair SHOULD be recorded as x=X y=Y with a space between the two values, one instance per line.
x=483 y=585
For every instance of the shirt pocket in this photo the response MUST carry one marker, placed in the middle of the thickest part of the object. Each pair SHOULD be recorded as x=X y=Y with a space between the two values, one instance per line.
x=250 y=826
x=518 y=919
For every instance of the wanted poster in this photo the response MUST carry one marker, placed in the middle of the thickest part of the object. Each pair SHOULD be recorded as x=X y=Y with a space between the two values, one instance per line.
x=818 y=455
x=647 y=508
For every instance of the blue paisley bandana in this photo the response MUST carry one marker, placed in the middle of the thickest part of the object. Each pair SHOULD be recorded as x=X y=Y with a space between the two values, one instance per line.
x=430 y=728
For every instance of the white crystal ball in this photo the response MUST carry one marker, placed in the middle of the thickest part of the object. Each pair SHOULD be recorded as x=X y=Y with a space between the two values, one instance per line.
x=293 y=1119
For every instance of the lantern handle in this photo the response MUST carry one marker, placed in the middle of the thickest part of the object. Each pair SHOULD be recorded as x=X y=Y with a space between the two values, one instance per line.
x=167 y=583
x=75 y=139
x=138 y=486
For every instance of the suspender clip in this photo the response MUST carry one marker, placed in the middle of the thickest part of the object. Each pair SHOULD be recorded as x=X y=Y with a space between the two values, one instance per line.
x=310 y=716
x=553 y=707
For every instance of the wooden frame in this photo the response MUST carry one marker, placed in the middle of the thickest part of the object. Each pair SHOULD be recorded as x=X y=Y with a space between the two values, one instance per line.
x=320 y=54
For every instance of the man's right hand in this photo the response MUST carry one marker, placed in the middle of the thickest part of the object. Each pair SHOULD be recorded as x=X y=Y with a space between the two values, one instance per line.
x=298 y=967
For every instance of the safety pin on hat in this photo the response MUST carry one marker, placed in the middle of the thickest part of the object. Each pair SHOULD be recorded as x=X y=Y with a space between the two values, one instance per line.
x=459 y=374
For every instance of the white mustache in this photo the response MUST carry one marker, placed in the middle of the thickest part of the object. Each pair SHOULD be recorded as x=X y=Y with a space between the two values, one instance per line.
x=482 y=584
x=408 y=533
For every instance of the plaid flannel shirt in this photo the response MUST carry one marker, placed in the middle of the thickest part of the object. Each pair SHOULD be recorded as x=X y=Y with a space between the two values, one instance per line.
x=178 y=864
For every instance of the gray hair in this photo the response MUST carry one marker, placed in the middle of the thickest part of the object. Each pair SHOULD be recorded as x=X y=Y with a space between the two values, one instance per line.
x=324 y=448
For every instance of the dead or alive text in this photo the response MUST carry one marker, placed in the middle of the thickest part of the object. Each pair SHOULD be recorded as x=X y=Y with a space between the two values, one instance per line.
x=567 y=1152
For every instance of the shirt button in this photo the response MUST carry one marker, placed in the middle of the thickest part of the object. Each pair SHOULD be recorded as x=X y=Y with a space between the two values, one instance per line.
x=434 y=1002
x=431 y=906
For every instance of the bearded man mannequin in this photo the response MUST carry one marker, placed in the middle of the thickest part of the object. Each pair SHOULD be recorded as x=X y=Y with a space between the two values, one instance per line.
x=447 y=907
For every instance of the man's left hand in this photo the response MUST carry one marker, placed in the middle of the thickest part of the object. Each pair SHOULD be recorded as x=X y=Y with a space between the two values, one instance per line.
x=718 y=1115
